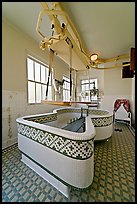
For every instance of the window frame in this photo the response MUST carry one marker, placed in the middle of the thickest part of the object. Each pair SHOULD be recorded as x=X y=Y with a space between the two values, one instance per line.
x=72 y=90
x=38 y=82
x=67 y=80
x=89 y=81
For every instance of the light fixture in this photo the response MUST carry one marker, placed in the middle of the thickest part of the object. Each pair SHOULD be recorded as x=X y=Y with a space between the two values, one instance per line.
x=94 y=57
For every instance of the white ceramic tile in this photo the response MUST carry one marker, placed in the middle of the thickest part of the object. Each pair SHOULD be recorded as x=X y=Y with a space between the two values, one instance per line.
x=15 y=104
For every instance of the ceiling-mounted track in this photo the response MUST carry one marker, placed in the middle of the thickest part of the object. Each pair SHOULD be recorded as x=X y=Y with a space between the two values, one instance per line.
x=62 y=32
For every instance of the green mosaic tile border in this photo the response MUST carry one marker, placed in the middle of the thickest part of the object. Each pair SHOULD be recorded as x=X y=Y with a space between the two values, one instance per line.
x=42 y=119
x=95 y=112
x=102 y=122
x=98 y=112
x=76 y=149
x=97 y=122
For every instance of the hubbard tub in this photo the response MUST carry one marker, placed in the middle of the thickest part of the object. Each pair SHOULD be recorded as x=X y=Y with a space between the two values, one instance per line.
x=62 y=157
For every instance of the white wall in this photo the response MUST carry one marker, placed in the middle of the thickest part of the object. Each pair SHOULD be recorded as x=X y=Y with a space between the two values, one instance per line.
x=15 y=47
x=113 y=86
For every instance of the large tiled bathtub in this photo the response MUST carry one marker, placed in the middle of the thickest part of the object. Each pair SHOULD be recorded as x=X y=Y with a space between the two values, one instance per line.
x=103 y=123
x=101 y=119
x=62 y=157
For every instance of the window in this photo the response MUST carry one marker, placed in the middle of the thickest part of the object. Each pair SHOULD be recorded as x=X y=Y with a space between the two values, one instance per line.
x=66 y=89
x=86 y=86
x=37 y=74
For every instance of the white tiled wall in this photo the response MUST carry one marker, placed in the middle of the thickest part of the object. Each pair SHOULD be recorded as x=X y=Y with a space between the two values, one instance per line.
x=14 y=105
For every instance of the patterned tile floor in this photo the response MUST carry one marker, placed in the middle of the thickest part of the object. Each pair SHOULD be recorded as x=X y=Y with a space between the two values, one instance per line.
x=114 y=178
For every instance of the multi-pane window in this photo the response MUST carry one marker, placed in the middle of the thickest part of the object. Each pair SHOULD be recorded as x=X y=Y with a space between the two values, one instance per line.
x=37 y=81
x=66 y=89
x=86 y=86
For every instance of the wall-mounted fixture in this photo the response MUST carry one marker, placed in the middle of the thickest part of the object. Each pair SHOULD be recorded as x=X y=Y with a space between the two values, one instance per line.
x=65 y=32
x=94 y=57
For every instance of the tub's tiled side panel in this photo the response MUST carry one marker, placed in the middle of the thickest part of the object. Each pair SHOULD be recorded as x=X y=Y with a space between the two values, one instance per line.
x=72 y=148
x=101 y=122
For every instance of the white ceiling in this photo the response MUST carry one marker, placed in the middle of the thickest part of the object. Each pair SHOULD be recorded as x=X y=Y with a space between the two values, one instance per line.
x=107 y=28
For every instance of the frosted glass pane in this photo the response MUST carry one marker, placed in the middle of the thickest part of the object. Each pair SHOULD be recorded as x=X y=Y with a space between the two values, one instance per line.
x=94 y=98
x=91 y=86
x=47 y=72
x=46 y=76
x=30 y=69
x=63 y=95
x=43 y=94
x=87 y=98
x=50 y=80
x=68 y=86
x=73 y=88
x=38 y=93
x=87 y=86
x=31 y=92
x=68 y=96
x=94 y=80
x=65 y=84
x=66 y=79
x=83 y=87
x=37 y=72
x=96 y=83
x=43 y=79
x=50 y=93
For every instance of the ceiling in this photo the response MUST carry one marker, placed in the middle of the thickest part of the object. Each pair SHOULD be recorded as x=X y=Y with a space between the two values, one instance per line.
x=106 y=28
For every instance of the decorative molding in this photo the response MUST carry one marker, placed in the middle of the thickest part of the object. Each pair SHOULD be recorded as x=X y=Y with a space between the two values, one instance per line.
x=102 y=122
x=97 y=122
x=43 y=119
x=76 y=149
